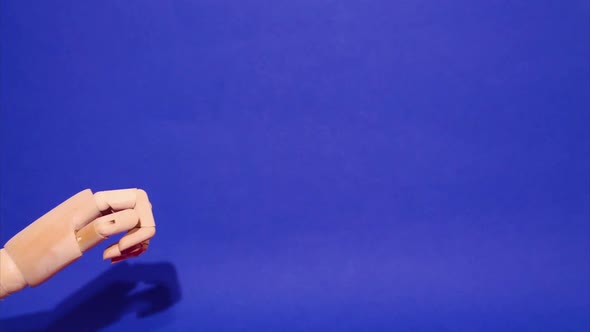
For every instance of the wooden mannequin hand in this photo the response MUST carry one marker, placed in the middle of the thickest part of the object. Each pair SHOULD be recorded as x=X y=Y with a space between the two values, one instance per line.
x=59 y=238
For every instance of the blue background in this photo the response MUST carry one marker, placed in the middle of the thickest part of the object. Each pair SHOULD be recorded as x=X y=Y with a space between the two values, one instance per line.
x=314 y=165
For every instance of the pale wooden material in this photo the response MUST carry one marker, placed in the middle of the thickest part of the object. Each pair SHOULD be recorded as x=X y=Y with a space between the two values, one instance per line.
x=137 y=240
x=11 y=280
x=49 y=244
x=59 y=238
x=105 y=226
x=116 y=199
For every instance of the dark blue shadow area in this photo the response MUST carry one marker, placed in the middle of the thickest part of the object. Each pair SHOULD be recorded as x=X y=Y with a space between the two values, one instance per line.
x=106 y=299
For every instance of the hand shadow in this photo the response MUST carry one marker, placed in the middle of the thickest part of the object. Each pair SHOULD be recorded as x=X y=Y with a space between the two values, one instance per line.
x=105 y=300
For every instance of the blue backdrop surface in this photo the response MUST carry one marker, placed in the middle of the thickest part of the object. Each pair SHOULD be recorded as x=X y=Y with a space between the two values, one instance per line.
x=314 y=165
